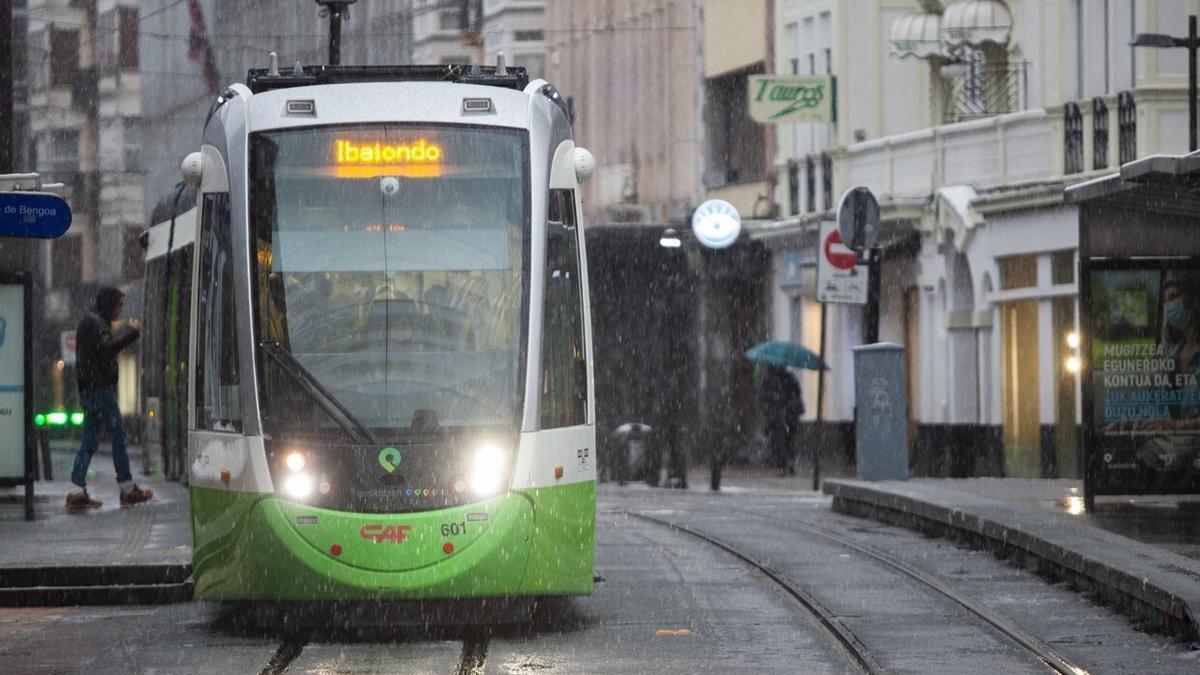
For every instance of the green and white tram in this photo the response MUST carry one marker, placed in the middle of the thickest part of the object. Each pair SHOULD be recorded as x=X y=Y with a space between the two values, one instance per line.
x=391 y=350
x=164 y=345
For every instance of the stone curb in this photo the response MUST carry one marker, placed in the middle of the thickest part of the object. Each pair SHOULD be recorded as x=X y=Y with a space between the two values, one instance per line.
x=1132 y=577
x=53 y=585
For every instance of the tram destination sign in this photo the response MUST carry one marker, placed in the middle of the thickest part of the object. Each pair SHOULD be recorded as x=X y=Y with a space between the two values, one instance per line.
x=779 y=99
x=38 y=215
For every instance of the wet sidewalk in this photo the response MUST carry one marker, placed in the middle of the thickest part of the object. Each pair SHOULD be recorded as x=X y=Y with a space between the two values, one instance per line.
x=1140 y=555
x=143 y=551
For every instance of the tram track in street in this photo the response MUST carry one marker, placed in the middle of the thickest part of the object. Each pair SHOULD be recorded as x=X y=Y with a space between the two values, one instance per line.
x=1030 y=643
x=284 y=656
x=471 y=660
x=1047 y=656
x=838 y=633
x=474 y=652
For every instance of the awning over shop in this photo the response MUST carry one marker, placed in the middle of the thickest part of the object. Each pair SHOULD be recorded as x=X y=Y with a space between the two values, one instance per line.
x=917 y=34
x=974 y=22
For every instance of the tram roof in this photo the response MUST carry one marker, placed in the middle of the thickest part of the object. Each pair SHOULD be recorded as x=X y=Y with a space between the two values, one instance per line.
x=260 y=79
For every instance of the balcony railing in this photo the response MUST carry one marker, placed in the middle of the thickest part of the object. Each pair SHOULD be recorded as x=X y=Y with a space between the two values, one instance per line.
x=1020 y=148
x=985 y=89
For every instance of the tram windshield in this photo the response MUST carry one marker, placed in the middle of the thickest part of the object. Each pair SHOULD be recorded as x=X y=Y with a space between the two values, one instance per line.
x=390 y=265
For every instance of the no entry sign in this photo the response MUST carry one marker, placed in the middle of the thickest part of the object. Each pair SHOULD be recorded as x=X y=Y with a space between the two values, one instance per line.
x=841 y=276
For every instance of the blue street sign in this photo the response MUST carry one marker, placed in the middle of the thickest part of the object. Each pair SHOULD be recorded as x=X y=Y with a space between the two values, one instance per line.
x=40 y=215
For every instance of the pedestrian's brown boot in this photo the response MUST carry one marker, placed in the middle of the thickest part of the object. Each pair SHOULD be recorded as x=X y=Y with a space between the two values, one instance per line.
x=79 y=501
x=135 y=495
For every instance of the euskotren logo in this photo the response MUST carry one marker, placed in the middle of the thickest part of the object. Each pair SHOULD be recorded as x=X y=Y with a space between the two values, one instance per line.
x=389 y=459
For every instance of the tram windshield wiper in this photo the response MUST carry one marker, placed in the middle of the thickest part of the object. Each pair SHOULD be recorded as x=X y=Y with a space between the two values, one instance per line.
x=311 y=386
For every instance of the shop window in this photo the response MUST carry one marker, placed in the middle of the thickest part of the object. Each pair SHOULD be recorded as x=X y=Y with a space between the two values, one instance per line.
x=1018 y=272
x=1062 y=268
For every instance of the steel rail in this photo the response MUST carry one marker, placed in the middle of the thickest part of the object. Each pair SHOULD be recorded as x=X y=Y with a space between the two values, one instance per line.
x=843 y=636
x=1041 y=650
x=474 y=653
x=287 y=652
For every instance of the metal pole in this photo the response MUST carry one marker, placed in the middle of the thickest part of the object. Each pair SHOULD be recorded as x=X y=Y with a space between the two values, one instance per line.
x=816 y=482
x=1191 y=47
x=871 y=334
x=335 y=34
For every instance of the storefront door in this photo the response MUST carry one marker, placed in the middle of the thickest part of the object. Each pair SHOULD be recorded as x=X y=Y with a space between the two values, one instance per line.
x=1022 y=444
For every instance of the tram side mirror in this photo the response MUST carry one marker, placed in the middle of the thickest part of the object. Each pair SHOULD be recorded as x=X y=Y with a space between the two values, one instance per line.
x=585 y=164
x=192 y=169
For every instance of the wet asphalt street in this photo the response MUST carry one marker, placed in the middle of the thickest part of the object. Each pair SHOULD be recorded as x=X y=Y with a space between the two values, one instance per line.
x=670 y=601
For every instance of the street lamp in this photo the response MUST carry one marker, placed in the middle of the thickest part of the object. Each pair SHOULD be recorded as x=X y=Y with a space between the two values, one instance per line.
x=1191 y=43
x=670 y=239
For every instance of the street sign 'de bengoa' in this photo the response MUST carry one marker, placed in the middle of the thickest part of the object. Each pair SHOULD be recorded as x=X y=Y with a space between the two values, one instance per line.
x=39 y=215
x=776 y=99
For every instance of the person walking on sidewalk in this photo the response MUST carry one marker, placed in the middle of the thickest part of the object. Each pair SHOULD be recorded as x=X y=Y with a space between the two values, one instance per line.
x=781 y=405
x=99 y=339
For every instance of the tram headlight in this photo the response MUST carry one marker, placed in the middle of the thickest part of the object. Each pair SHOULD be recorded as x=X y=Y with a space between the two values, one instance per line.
x=298 y=485
x=295 y=461
x=487 y=470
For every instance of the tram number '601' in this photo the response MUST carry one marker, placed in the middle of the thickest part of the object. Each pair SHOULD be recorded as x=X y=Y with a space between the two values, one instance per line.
x=450 y=529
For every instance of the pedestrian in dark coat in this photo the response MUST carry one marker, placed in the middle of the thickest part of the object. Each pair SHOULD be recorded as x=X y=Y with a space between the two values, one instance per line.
x=781 y=405
x=98 y=340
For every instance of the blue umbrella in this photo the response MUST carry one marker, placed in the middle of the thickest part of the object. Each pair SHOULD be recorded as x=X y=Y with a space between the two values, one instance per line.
x=785 y=354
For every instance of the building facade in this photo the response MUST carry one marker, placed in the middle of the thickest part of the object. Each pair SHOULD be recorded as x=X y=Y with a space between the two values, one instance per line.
x=84 y=107
x=634 y=78
x=658 y=95
x=193 y=50
x=967 y=119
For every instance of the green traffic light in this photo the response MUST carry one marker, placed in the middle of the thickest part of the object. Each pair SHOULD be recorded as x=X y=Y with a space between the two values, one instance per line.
x=39 y=420
x=77 y=419
x=57 y=419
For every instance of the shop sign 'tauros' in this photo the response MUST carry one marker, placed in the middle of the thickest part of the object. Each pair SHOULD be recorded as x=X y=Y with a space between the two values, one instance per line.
x=776 y=99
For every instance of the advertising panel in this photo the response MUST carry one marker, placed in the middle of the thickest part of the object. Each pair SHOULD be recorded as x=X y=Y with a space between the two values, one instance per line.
x=12 y=382
x=1144 y=371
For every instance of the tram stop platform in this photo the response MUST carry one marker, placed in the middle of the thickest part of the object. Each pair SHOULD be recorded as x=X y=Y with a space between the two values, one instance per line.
x=110 y=555
x=1139 y=555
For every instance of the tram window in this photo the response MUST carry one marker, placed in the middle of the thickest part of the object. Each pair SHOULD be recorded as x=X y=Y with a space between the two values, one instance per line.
x=218 y=405
x=564 y=366
x=152 y=347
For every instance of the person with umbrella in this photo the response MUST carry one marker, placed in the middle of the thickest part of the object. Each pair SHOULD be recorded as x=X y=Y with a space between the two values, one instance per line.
x=781 y=405
x=779 y=397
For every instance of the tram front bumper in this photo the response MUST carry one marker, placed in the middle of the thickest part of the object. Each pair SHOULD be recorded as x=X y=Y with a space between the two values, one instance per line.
x=254 y=546
x=280 y=550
